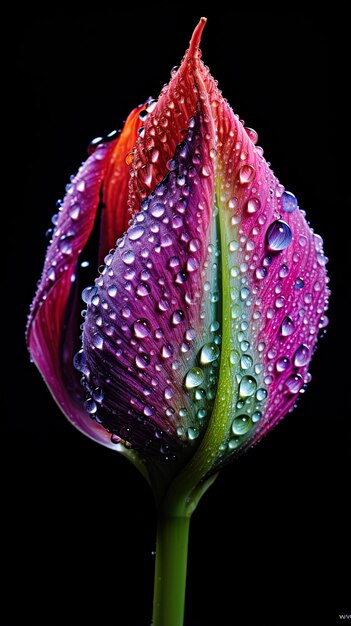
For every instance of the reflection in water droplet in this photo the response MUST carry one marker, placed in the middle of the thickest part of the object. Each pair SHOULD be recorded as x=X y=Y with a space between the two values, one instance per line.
x=247 y=386
x=278 y=236
x=299 y=283
x=282 y=364
x=241 y=425
x=253 y=205
x=142 y=360
x=209 y=353
x=246 y=174
x=194 y=378
x=141 y=328
x=192 y=433
x=294 y=383
x=287 y=326
x=261 y=394
x=289 y=202
x=302 y=355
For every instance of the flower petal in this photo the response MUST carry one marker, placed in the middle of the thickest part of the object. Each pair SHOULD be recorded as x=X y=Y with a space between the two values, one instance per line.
x=53 y=322
x=147 y=319
x=115 y=214
x=166 y=123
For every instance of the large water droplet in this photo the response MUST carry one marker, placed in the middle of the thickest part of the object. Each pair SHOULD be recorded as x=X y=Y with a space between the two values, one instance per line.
x=287 y=326
x=128 y=257
x=143 y=289
x=253 y=205
x=177 y=317
x=194 y=378
x=90 y=406
x=209 y=353
x=282 y=364
x=142 y=360
x=136 y=232
x=246 y=362
x=141 y=328
x=241 y=425
x=247 y=387
x=289 y=202
x=157 y=210
x=278 y=236
x=246 y=174
x=294 y=383
x=192 y=433
x=299 y=283
x=112 y=290
x=261 y=394
x=302 y=355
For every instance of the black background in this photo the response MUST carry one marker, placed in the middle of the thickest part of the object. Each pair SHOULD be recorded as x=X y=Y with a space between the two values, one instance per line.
x=268 y=542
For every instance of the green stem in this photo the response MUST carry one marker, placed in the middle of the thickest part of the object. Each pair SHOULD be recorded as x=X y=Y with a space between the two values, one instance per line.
x=170 y=570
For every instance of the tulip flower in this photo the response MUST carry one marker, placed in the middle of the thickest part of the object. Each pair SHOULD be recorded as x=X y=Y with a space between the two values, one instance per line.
x=199 y=330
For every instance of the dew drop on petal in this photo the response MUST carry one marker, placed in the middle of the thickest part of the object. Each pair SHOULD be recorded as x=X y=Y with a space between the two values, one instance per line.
x=194 y=378
x=247 y=386
x=294 y=383
x=253 y=205
x=302 y=355
x=289 y=202
x=282 y=364
x=246 y=174
x=278 y=236
x=241 y=425
x=209 y=353
x=141 y=328
x=287 y=326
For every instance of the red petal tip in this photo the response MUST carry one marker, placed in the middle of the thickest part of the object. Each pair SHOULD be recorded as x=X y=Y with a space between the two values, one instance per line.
x=196 y=37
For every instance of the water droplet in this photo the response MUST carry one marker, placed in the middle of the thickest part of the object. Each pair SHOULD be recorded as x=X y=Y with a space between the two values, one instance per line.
x=247 y=386
x=136 y=232
x=289 y=202
x=128 y=257
x=279 y=302
x=287 y=326
x=200 y=394
x=65 y=245
x=256 y=416
x=241 y=425
x=194 y=245
x=143 y=289
x=261 y=394
x=294 y=383
x=166 y=351
x=90 y=406
x=282 y=364
x=278 y=236
x=302 y=355
x=157 y=210
x=283 y=271
x=74 y=211
x=192 y=433
x=299 y=283
x=201 y=414
x=233 y=246
x=112 y=290
x=177 y=317
x=234 y=357
x=168 y=393
x=209 y=353
x=115 y=439
x=246 y=362
x=142 y=360
x=194 y=378
x=192 y=264
x=246 y=174
x=98 y=394
x=253 y=205
x=98 y=341
x=81 y=186
x=141 y=328
x=323 y=321
x=206 y=171
x=261 y=273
